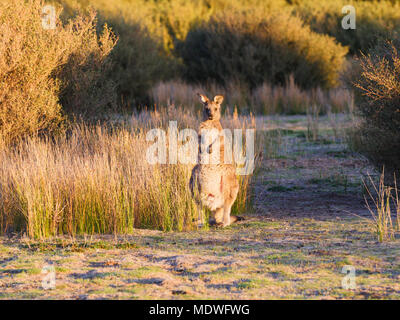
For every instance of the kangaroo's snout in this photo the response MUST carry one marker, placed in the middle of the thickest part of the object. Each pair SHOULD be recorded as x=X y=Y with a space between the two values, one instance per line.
x=209 y=113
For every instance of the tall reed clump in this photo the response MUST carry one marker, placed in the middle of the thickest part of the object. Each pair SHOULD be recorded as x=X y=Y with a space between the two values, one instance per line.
x=252 y=47
x=378 y=103
x=97 y=180
x=386 y=208
x=43 y=71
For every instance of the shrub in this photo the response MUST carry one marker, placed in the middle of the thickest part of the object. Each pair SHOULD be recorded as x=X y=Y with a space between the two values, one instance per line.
x=43 y=71
x=86 y=89
x=138 y=61
x=251 y=47
x=139 y=58
x=374 y=20
x=378 y=102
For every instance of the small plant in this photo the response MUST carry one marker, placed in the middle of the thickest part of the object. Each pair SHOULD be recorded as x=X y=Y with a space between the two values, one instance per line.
x=386 y=200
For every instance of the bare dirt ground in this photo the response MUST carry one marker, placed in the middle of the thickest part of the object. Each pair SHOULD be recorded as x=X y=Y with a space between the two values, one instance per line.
x=308 y=221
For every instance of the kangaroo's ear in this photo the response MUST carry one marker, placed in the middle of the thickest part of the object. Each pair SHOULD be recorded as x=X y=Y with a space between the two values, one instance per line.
x=203 y=98
x=218 y=99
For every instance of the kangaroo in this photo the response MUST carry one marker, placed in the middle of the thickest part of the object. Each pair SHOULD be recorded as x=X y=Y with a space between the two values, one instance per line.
x=214 y=185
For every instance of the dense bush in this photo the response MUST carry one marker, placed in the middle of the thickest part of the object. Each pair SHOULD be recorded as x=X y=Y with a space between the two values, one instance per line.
x=149 y=31
x=378 y=97
x=374 y=20
x=141 y=57
x=254 y=47
x=166 y=20
x=138 y=61
x=41 y=68
x=86 y=89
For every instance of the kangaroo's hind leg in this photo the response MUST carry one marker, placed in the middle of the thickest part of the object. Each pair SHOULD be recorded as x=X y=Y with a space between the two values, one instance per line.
x=228 y=219
x=227 y=214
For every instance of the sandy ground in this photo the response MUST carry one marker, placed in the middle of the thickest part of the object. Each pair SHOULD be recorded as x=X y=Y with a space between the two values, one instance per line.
x=308 y=220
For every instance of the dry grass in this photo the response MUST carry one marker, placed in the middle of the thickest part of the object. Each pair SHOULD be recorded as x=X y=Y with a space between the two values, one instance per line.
x=385 y=200
x=265 y=99
x=97 y=180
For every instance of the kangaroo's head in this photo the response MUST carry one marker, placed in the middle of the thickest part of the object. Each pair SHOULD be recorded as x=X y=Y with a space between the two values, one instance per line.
x=212 y=109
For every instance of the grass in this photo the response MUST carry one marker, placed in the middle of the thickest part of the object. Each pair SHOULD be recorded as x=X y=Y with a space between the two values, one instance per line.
x=94 y=180
x=265 y=99
x=303 y=268
x=282 y=188
x=293 y=247
x=385 y=200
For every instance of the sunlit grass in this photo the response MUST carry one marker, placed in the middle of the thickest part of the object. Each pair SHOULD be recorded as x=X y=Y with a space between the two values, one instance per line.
x=96 y=179
x=386 y=209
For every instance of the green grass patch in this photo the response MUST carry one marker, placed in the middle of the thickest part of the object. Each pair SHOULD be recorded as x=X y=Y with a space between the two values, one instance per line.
x=281 y=188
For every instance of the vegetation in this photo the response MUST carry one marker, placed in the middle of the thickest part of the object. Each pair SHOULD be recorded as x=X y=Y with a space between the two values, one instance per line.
x=265 y=99
x=251 y=48
x=378 y=98
x=151 y=32
x=95 y=181
x=139 y=58
x=62 y=176
x=78 y=195
x=375 y=19
x=45 y=73
x=296 y=243
x=384 y=199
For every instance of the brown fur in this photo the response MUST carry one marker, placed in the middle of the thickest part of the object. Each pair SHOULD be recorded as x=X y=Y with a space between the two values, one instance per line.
x=215 y=186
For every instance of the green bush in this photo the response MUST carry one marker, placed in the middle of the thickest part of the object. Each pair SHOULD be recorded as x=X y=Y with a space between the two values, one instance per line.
x=374 y=20
x=254 y=47
x=139 y=59
x=378 y=102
